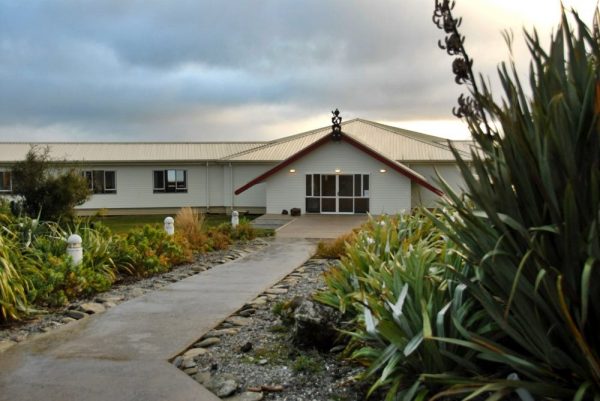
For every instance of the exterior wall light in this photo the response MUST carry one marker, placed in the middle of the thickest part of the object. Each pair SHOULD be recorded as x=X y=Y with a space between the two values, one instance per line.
x=337 y=170
x=292 y=170
x=382 y=170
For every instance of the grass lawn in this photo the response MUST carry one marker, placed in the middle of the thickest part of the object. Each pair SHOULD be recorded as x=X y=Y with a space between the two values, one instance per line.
x=122 y=224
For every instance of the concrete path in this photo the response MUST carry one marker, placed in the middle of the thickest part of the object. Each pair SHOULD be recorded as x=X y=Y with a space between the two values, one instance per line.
x=320 y=226
x=272 y=221
x=123 y=354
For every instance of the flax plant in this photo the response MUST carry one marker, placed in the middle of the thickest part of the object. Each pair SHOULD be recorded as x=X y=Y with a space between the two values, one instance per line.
x=14 y=302
x=397 y=281
x=530 y=224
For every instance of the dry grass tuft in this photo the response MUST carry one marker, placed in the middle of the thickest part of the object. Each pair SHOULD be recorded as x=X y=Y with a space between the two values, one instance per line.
x=188 y=223
x=335 y=249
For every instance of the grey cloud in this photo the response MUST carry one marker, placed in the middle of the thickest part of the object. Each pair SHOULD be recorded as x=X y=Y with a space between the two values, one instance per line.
x=139 y=68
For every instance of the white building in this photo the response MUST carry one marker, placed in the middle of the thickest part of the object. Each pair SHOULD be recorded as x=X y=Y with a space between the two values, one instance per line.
x=371 y=168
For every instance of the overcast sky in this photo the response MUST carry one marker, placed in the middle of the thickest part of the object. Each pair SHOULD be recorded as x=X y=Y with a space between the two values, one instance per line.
x=200 y=70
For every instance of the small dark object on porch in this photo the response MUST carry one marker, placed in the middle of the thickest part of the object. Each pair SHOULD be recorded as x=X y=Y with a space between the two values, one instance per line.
x=284 y=212
x=295 y=211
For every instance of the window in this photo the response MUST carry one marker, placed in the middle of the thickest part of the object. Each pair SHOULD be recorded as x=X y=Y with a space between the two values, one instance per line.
x=170 y=181
x=101 y=181
x=5 y=181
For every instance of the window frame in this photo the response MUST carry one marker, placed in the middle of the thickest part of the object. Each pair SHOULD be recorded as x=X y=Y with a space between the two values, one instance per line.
x=10 y=182
x=179 y=183
x=99 y=176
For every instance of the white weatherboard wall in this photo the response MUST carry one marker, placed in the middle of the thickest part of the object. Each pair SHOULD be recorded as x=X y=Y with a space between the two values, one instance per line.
x=390 y=192
x=135 y=187
x=243 y=173
x=449 y=172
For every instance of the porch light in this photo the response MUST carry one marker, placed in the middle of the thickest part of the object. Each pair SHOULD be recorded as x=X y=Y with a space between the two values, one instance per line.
x=292 y=170
x=337 y=170
x=382 y=170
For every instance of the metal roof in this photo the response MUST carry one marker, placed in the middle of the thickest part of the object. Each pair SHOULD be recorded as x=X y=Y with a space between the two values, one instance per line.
x=392 y=142
x=130 y=152
x=395 y=143
x=399 y=167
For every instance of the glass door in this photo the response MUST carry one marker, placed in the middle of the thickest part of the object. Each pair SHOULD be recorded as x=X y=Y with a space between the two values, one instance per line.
x=328 y=193
x=331 y=193
x=345 y=193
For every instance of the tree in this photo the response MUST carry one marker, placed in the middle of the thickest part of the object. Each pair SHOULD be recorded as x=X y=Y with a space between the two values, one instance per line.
x=48 y=191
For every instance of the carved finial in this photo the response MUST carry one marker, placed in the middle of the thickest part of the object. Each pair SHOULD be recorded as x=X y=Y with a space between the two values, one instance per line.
x=336 y=128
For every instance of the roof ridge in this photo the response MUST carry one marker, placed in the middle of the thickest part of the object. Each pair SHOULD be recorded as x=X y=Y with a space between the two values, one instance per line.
x=284 y=140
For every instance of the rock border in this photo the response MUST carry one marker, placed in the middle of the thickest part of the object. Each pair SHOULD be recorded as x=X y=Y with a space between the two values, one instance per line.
x=251 y=356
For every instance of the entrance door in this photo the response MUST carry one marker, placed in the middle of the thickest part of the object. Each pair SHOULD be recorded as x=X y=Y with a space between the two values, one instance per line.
x=341 y=193
x=328 y=193
x=345 y=193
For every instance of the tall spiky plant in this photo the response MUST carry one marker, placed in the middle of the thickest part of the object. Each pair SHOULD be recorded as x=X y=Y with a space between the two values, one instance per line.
x=530 y=221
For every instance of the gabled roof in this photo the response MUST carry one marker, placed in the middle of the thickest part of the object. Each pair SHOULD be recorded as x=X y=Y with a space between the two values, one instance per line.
x=399 y=167
x=395 y=143
x=130 y=152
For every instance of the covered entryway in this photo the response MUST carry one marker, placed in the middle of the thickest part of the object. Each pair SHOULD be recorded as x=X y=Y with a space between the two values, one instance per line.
x=337 y=193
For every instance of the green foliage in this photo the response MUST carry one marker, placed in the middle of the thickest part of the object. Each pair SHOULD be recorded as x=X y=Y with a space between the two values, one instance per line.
x=59 y=280
x=149 y=250
x=530 y=223
x=244 y=231
x=285 y=309
x=35 y=268
x=307 y=363
x=14 y=287
x=336 y=248
x=220 y=236
x=398 y=283
x=47 y=193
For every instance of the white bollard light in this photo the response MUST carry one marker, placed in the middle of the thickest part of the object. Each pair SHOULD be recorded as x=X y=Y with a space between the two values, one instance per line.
x=170 y=225
x=74 y=248
x=235 y=219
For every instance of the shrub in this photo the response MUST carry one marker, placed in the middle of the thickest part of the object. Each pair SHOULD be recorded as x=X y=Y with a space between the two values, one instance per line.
x=47 y=193
x=398 y=283
x=14 y=287
x=58 y=280
x=533 y=228
x=244 y=231
x=149 y=250
x=335 y=249
x=220 y=236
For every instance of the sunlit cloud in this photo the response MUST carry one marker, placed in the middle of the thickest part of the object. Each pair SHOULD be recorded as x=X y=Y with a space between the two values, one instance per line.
x=199 y=70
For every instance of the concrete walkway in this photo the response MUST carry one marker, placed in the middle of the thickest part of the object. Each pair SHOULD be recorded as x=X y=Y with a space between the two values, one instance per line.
x=320 y=226
x=123 y=354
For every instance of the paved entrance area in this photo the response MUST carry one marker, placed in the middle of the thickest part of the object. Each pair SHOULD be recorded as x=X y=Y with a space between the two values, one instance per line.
x=321 y=226
x=122 y=355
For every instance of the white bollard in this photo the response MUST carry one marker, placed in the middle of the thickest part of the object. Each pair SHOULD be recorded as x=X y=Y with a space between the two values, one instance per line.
x=235 y=219
x=170 y=225
x=74 y=249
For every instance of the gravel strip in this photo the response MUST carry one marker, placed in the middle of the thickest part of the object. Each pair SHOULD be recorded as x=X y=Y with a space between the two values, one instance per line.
x=250 y=356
